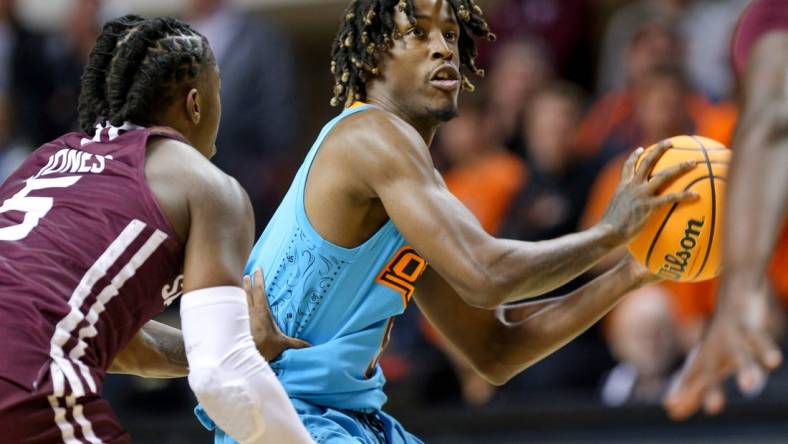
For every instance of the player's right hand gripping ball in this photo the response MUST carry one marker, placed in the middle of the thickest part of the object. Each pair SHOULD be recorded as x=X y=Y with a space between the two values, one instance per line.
x=681 y=242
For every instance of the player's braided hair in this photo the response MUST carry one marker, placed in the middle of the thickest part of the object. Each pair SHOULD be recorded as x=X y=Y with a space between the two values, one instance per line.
x=137 y=68
x=368 y=29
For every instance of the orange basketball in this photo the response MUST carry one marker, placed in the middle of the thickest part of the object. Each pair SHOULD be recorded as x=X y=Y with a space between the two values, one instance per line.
x=681 y=242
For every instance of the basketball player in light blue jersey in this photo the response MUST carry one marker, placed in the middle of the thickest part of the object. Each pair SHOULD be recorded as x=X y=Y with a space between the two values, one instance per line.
x=368 y=224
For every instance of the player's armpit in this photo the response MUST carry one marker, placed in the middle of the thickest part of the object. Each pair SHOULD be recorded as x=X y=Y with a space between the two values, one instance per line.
x=156 y=351
x=500 y=349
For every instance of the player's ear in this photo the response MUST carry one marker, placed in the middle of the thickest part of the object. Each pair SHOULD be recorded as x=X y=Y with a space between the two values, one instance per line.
x=193 y=106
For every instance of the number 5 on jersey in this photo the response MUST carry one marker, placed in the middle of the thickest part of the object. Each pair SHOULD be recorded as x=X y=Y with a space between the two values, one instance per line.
x=34 y=208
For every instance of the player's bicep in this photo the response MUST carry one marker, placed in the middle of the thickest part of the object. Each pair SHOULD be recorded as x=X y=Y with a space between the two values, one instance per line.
x=221 y=232
x=766 y=82
x=436 y=223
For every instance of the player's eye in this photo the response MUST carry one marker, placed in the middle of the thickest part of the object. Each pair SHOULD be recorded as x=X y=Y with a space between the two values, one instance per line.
x=450 y=36
x=417 y=32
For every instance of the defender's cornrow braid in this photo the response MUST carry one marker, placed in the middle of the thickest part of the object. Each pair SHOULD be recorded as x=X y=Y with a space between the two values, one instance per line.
x=369 y=28
x=92 y=105
x=169 y=65
x=149 y=66
x=127 y=62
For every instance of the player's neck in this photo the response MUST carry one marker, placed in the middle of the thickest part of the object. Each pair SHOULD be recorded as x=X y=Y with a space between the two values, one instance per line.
x=425 y=127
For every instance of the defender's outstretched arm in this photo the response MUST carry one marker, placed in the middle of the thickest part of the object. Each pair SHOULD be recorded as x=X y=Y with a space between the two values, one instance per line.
x=737 y=339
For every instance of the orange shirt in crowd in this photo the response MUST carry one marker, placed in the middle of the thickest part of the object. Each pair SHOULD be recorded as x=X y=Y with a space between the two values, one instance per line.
x=716 y=121
x=488 y=185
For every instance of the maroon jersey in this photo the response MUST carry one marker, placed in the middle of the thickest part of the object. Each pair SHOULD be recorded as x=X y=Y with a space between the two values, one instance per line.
x=86 y=258
x=760 y=18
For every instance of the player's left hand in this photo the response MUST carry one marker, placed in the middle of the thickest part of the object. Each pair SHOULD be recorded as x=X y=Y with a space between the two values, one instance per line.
x=643 y=274
x=270 y=340
x=737 y=341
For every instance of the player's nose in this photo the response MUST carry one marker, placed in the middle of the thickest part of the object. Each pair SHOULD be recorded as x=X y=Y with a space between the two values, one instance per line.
x=441 y=49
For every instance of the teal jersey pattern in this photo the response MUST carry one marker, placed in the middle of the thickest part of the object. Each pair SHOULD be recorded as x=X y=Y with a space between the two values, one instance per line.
x=340 y=300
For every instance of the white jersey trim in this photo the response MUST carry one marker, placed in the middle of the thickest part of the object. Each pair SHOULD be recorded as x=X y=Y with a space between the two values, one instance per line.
x=62 y=368
x=66 y=325
x=109 y=292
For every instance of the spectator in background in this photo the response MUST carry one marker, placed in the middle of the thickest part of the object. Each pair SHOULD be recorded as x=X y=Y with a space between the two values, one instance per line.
x=653 y=329
x=643 y=338
x=520 y=68
x=22 y=77
x=67 y=52
x=552 y=200
x=259 y=100
x=622 y=28
x=12 y=152
x=662 y=106
x=560 y=26
x=612 y=124
x=705 y=26
x=483 y=175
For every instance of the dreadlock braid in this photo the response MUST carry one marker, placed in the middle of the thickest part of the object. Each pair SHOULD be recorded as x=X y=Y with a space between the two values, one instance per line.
x=368 y=30
x=150 y=63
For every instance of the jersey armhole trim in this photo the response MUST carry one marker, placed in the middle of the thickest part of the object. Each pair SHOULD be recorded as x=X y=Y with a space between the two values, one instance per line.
x=302 y=217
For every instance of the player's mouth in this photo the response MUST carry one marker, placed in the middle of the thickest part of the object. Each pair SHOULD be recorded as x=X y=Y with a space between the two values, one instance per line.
x=446 y=78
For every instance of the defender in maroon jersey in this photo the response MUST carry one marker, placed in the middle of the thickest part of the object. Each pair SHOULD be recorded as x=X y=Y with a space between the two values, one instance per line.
x=738 y=340
x=99 y=231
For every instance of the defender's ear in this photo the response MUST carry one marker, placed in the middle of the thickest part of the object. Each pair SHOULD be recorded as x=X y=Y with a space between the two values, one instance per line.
x=193 y=100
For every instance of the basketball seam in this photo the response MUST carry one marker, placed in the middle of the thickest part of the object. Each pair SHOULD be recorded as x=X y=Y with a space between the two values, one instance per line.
x=713 y=208
x=693 y=149
x=665 y=221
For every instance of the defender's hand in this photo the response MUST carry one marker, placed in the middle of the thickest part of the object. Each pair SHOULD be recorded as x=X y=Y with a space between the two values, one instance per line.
x=737 y=341
x=636 y=196
x=270 y=340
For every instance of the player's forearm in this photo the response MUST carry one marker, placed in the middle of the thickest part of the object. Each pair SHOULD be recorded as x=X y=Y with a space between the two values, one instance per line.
x=539 y=333
x=155 y=352
x=757 y=196
x=527 y=269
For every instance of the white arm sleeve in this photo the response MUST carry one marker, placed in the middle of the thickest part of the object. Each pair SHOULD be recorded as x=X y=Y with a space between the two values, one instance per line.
x=228 y=375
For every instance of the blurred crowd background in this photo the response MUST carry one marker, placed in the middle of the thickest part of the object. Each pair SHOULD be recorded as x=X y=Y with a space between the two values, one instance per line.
x=572 y=86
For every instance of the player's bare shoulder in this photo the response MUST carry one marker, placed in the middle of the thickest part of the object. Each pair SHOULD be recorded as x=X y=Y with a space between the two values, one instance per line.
x=378 y=144
x=186 y=184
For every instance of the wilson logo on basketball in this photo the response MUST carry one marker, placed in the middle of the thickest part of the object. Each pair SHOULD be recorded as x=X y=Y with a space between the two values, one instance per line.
x=675 y=264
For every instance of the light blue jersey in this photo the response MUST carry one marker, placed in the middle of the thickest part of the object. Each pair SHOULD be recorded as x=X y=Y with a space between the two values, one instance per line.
x=340 y=300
